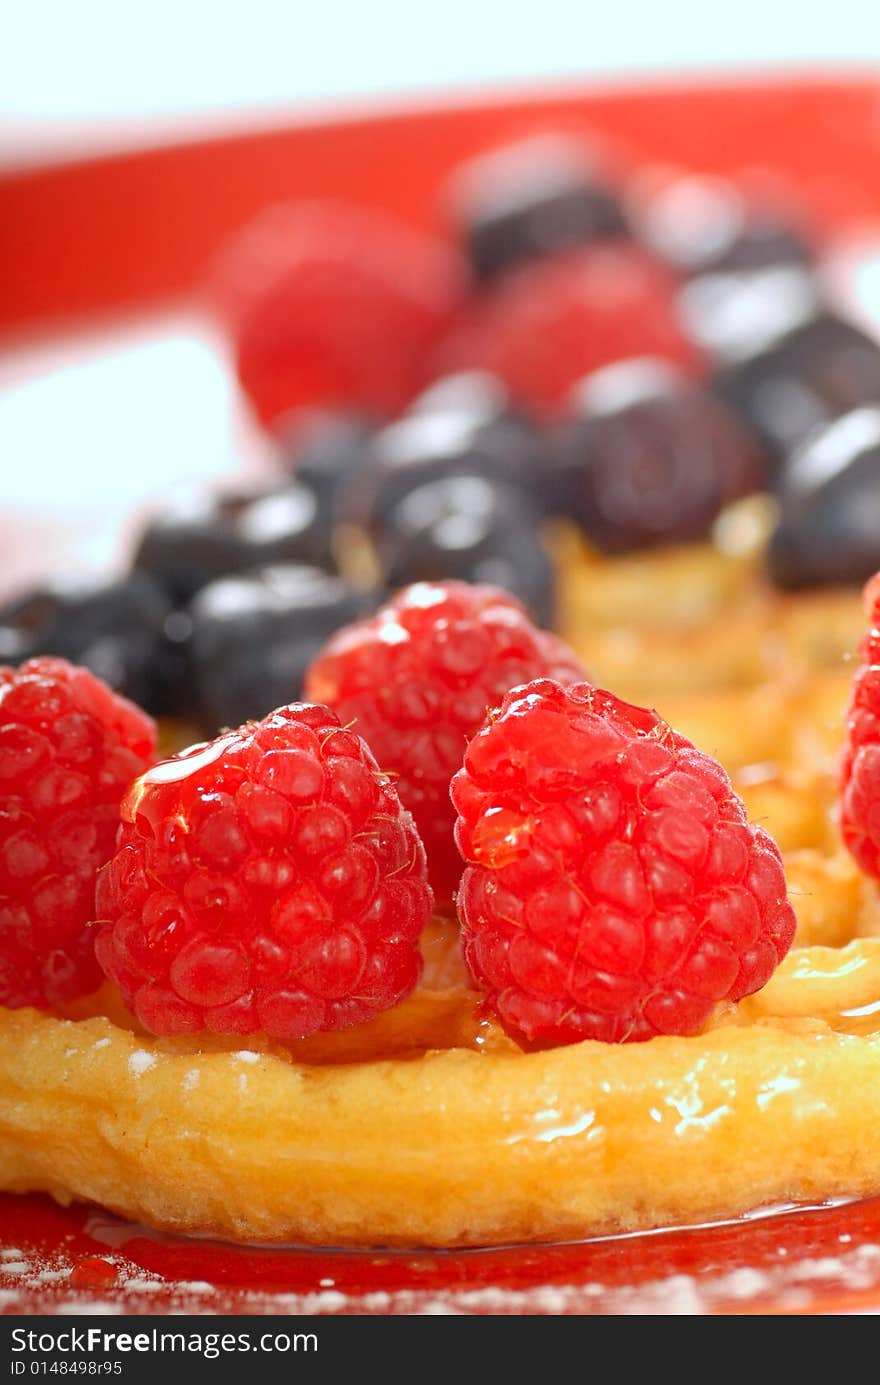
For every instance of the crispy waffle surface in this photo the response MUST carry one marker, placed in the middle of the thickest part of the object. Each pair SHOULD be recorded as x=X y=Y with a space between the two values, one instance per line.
x=431 y=1125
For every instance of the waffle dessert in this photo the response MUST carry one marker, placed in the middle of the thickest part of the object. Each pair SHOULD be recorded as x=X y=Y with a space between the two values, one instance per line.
x=430 y=1124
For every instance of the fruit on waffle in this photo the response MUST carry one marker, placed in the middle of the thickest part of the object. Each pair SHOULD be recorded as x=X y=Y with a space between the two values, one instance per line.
x=657 y=998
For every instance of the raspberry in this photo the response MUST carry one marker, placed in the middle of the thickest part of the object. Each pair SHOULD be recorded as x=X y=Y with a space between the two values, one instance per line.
x=860 y=763
x=418 y=678
x=332 y=304
x=550 y=322
x=69 y=748
x=615 y=889
x=268 y=880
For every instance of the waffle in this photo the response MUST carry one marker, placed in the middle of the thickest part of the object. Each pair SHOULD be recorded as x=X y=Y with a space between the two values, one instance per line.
x=431 y=1126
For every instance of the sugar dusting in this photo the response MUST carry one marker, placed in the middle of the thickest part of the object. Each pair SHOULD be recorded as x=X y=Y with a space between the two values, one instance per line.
x=140 y=1062
x=34 y=1282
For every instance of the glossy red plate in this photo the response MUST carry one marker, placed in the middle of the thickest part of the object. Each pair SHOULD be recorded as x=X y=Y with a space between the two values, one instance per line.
x=128 y=233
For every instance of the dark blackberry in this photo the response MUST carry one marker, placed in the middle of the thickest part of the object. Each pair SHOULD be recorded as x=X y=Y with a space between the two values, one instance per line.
x=532 y=199
x=649 y=457
x=199 y=540
x=122 y=630
x=829 y=527
x=468 y=528
x=255 y=634
x=809 y=376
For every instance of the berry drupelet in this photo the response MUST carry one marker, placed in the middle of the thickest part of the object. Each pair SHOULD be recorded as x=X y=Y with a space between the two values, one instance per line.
x=615 y=889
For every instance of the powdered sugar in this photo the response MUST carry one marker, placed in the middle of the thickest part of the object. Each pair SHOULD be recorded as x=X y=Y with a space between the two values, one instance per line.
x=140 y=1062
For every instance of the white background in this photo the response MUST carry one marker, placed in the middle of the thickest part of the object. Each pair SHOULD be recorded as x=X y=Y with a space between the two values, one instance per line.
x=104 y=69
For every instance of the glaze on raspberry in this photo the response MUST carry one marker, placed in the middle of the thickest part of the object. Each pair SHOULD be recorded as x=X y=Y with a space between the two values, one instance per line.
x=69 y=747
x=615 y=889
x=269 y=880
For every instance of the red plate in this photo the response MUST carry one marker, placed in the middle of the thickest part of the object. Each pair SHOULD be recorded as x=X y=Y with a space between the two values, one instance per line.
x=134 y=231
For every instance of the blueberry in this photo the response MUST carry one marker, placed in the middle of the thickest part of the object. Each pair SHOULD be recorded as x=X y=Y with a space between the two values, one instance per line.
x=705 y=225
x=466 y=527
x=477 y=395
x=197 y=541
x=532 y=199
x=431 y=446
x=649 y=457
x=735 y=316
x=323 y=452
x=807 y=377
x=255 y=634
x=124 y=631
x=829 y=527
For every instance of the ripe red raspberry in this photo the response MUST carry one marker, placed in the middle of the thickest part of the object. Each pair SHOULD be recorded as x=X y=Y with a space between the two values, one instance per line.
x=69 y=748
x=552 y=321
x=269 y=880
x=616 y=890
x=332 y=304
x=417 y=679
x=860 y=763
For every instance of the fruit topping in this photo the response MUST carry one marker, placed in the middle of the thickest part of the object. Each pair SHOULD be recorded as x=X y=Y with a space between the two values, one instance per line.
x=334 y=305
x=69 y=748
x=615 y=889
x=703 y=225
x=532 y=199
x=254 y=635
x=807 y=377
x=206 y=536
x=118 y=629
x=829 y=494
x=474 y=530
x=649 y=457
x=267 y=881
x=860 y=764
x=545 y=325
x=417 y=679
x=433 y=445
